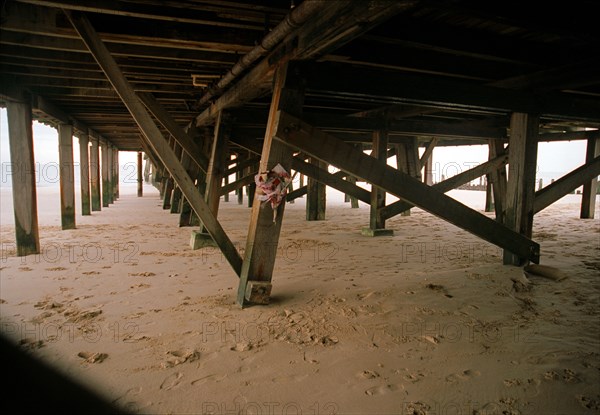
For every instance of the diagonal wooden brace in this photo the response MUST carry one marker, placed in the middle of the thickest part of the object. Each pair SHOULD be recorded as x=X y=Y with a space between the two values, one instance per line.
x=300 y=135
x=154 y=137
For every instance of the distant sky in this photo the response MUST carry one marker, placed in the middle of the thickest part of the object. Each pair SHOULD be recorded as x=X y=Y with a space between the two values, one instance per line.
x=554 y=159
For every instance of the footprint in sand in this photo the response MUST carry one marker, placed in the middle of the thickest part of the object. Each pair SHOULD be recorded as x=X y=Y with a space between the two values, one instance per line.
x=589 y=403
x=56 y=269
x=462 y=377
x=171 y=381
x=383 y=389
x=368 y=374
x=209 y=378
x=93 y=357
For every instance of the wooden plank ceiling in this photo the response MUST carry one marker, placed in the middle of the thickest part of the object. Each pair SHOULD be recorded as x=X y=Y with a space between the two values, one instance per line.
x=460 y=54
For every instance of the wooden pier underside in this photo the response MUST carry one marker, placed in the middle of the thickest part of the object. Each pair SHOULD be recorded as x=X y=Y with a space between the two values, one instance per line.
x=212 y=89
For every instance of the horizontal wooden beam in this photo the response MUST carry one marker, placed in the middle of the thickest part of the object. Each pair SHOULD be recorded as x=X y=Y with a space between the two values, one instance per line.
x=565 y=185
x=341 y=22
x=399 y=88
x=302 y=136
x=453 y=182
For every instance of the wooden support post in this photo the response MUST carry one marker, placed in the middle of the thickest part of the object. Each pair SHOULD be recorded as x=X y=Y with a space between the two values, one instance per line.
x=140 y=183
x=214 y=177
x=115 y=173
x=111 y=174
x=402 y=165
x=428 y=171
x=520 y=191
x=376 y=220
x=239 y=191
x=251 y=188
x=175 y=202
x=95 y=175
x=67 y=176
x=265 y=225
x=353 y=200
x=489 y=196
x=590 y=188
x=147 y=168
x=316 y=195
x=84 y=169
x=302 y=136
x=185 y=215
x=105 y=176
x=427 y=155
x=168 y=183
x=498 y=179
x=153 y=135
x=20 y=136
x=225 y=183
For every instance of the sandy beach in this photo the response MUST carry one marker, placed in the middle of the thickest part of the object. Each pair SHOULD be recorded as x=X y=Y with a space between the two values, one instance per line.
x=425 y=322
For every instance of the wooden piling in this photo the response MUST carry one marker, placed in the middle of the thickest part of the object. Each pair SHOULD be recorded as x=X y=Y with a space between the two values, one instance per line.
x=67 y=176
x=84 y=169
x=95 y=175
x=588 y=198
x=20 y=136
x=520 y=195
x=140 y=183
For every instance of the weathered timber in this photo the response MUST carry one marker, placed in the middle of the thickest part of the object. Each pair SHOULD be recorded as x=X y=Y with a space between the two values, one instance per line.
x=154 y=137
x=520 y=188
x=453 y=182
x=300 y=135
x=497 y=178
x=402 y=88
x=265 y=224
x=566 y=184
x=376 y=220
x=178 y=133
x=84 y=169
x=428 y=152
x=105 y=175
x=216 y=166
x=335 y=180
x=316 y=195
x=588 y=197
x=95 y=174
x=67 y=176
x=140 y=177
x=20 y=136
x=115 y=173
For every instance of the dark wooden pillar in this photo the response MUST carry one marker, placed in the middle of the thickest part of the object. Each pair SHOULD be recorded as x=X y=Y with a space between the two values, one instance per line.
x=251 y=188
x=489 y=195
x=176 y=195
x=84 y=169
x=20 y=136
x=316 y=195
x=428 y=170
x=590 y=189
x=116 y=168
x=105 y=175
x=520 y=194
x=376 y=219
x=498 y=179
x=214 y=179
x=67 y=176
x=140 y=183
x=95 y=175
x=265 y=225
x=239 y=192
x=147 y=168
x=111 y=174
